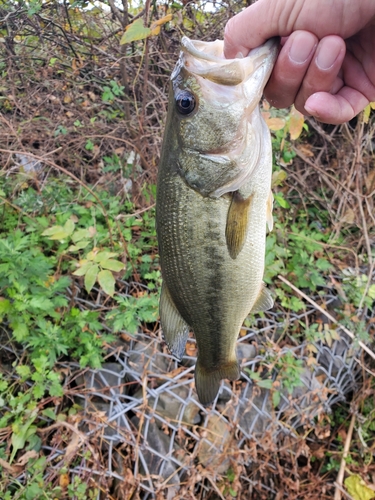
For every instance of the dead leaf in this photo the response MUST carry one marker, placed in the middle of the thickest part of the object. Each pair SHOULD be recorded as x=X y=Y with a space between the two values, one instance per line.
x=306 y=150
x=275 y=123
x=72 y=448
x=296 y=121
x=64 y=481
x=10 y=468
x=26 y=457
x=349 y=216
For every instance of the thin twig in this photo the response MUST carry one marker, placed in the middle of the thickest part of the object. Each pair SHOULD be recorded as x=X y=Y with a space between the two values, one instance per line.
x=340 y=475
x=349 y=497
x=329 y=316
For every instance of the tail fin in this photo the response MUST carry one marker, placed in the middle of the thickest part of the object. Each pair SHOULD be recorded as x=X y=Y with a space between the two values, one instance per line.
x=207 y=382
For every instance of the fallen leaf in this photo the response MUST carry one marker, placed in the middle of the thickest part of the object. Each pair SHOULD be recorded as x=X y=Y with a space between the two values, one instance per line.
x=275 y=123
x=358 y=489
x=349 y=216
x=296 y=121
x=10 y=468
x=72 y=449
x=26 y=457
x=64 y=481
x=306 y=149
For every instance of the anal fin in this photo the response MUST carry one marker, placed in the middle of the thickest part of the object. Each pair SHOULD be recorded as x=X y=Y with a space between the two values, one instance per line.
x=174 y=327
x=263 y=302
x=237 y=224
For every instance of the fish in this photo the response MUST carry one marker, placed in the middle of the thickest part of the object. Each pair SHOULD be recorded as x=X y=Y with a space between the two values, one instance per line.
x=213 y=204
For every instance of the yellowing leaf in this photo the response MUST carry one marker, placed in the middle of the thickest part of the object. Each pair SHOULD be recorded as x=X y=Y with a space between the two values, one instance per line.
x=56 y=233
x=135 y=31
x=162 y=21
x=90 y=277
x=358 y=489
x=112 y=265
x=278 y=177
x=69 y=226
x=366 y=113
x=275 y=123
x=372 y=104
x=107 y=282
x=296 y=121
x=84 y=267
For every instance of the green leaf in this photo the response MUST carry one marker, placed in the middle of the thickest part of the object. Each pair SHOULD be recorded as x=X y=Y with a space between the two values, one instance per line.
x=57 y=232
x=358 y=489
x=90 y=277
x=49 y=413
x=85 y=266
x=100 y=256
x=112 y=265
x=107 y=282
x=135 y=31
x=69 y=226
x=20 y=330
x=79 y=246
x=23 y=371
x=276 y=396
x=281 y=200
x=21 y=434
x=266 y=383
x=5 y=306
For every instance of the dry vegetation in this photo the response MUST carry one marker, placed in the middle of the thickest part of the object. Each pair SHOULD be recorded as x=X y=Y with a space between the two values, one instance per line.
x=71 y=96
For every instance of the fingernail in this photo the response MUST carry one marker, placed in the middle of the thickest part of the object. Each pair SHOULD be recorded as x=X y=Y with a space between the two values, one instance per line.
x=310 y=105
x=302 y=46
x=239 y=55
x=328 y=53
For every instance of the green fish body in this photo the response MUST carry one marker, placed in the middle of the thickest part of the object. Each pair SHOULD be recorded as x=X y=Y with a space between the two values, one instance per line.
x=213 y=204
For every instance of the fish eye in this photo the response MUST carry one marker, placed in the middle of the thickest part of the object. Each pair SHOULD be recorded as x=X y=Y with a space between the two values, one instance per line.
x=185 y=102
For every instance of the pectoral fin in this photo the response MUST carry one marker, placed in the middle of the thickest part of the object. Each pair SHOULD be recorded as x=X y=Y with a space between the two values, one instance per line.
x=237 y=224
x=175 y=329
x=263 y=302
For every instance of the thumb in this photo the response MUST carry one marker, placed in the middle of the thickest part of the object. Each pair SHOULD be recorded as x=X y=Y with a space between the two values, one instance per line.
x=250 y=28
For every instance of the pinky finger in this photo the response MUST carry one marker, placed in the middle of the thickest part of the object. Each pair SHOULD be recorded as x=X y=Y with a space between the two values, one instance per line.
x=338 y=108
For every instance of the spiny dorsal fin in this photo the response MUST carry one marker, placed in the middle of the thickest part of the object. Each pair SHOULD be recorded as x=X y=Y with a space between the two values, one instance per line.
x=263 y=302
x=237 y=224
x=175 y=329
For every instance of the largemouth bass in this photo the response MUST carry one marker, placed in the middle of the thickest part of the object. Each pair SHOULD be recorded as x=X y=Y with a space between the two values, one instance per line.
x=213 y=203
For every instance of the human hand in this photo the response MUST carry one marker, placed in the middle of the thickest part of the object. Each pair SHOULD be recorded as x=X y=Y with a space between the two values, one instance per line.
x=326 y=65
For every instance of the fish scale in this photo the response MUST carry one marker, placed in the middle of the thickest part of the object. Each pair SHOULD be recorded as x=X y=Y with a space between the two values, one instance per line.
x=212 y=245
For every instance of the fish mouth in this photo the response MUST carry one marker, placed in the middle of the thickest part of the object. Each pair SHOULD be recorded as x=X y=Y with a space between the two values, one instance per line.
x=206 y=59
